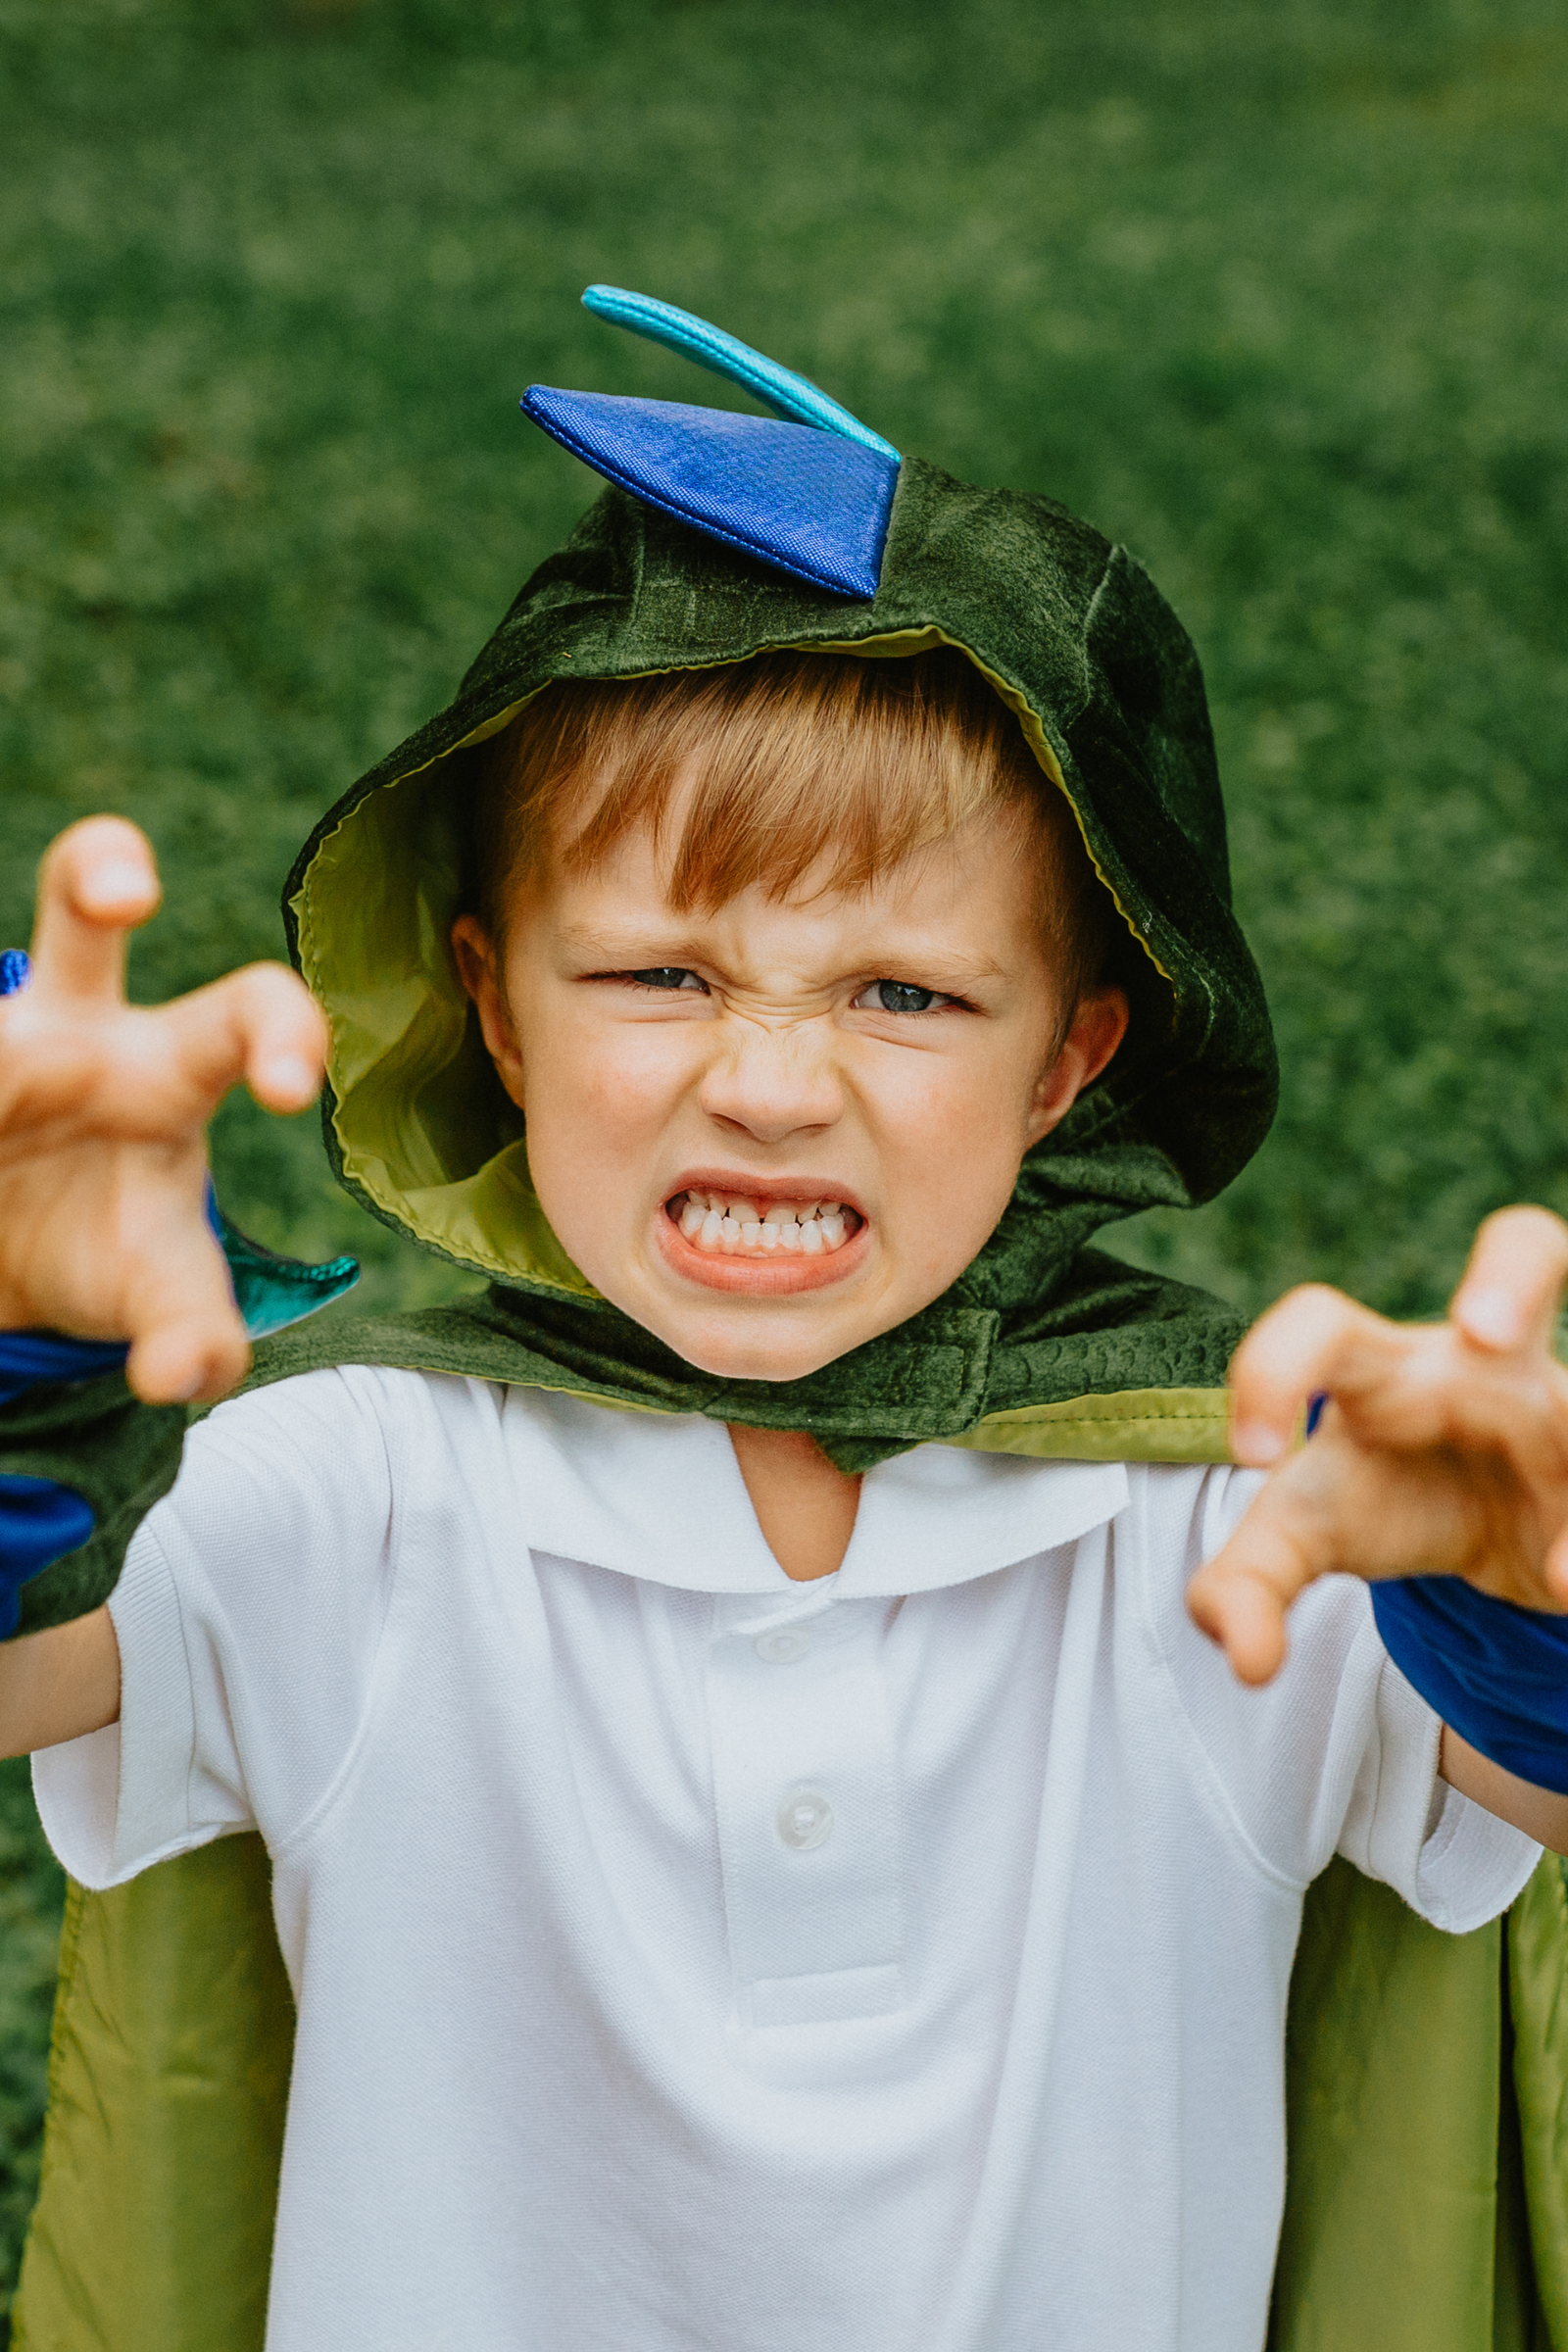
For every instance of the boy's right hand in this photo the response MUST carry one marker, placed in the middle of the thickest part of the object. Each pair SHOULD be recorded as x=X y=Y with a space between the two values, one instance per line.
x=103 y=1114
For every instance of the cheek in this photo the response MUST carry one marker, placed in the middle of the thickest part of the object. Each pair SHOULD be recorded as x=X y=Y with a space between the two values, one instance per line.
x=596 y=1090
x=952 y=1137
x=953 y=1124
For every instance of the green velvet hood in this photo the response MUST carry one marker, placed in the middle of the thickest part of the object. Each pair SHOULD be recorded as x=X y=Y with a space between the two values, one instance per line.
x=1040 y=1333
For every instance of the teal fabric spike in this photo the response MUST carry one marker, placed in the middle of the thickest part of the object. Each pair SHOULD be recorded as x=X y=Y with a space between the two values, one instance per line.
x=272 y=1291
x=780 y=389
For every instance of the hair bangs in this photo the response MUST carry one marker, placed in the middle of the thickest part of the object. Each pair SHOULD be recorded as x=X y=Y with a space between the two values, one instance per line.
x=789 y=771
x=792 y=771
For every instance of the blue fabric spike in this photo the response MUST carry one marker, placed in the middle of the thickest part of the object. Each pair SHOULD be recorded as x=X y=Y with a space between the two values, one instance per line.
x=807 y=503
x=14 y=969
x=778 y=388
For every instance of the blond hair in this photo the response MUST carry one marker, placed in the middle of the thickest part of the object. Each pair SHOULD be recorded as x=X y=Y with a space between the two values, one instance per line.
x=800 y=765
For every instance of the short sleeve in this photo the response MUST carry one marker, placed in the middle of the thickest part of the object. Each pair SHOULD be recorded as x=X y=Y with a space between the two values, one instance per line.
x=1337 y=1754
x=248 y=1617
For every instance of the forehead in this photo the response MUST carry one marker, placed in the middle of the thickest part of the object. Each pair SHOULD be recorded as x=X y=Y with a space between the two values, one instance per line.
x=972 y=897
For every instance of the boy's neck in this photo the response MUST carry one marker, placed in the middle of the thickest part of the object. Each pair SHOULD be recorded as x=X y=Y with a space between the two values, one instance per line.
x=804 y=1508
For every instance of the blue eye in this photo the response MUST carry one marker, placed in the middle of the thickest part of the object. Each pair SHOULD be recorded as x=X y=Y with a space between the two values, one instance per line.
x=898 y=995
x=669 y=976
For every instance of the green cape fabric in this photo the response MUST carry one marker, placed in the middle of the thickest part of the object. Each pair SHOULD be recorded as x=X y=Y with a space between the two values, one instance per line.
x=1107 y=691
x=947 y=1374
x=112 y=1449
x=169 y=2077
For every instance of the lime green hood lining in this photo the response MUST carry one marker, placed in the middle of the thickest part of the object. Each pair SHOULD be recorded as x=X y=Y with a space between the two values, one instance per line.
x=1131 y=1424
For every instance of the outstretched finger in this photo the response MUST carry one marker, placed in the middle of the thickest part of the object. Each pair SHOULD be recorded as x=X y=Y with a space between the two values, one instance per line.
x=1509 y=1298
x=1240 y=1597
x=188 y=1342
x=1284 y=1542
x=193 y=1361
x=97 y=881
x=260 y=1025
x=1312 y=1340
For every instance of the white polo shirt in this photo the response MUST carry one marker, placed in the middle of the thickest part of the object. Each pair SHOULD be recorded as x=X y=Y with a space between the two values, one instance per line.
x=692 y=1961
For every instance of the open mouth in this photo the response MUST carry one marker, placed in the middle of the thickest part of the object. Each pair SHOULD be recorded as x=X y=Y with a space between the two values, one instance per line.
x=725 y=1224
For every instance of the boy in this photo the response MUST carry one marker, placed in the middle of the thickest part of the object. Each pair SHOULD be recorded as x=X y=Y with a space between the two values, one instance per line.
x=777 y=1865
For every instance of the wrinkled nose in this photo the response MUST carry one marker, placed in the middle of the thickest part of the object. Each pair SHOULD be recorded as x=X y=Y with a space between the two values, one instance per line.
x=772 y=1082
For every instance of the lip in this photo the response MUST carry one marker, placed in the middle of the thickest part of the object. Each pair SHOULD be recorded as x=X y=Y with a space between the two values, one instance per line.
x=760 y=1277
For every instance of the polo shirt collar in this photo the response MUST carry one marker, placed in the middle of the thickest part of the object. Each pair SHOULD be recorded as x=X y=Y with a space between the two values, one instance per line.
x=661 y=1496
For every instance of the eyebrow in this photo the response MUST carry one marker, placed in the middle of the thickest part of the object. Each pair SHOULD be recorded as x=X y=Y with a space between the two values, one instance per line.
x=947 y=964
x=628 y=948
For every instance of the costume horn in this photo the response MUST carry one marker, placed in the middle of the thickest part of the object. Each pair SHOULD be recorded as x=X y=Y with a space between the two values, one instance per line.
x=808 y=493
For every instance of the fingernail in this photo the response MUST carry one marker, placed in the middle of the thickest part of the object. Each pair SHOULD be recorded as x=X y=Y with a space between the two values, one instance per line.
x=1257 y=1444
x=1489 y=1314
x=113 y=883
x=289 y=1074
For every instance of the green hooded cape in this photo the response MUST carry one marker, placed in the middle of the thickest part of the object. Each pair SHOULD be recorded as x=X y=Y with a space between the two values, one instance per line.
x=1428 y=2074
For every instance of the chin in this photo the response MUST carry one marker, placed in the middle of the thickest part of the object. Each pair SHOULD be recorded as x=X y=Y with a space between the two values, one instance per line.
x=729 y=1334
x=773 y=1334
x=734 y=1353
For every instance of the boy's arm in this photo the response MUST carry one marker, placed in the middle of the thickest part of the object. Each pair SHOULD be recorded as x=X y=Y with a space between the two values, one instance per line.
x=82 y=1460
x=1440 y=1453
x=104 y=1236
x=59 y=1685
x=1540 y=1812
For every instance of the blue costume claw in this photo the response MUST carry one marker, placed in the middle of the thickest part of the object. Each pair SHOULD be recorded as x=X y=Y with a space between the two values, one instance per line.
x=40 y=1521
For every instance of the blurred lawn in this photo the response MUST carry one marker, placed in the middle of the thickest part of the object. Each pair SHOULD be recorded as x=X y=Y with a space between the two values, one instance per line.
x=1276 y=293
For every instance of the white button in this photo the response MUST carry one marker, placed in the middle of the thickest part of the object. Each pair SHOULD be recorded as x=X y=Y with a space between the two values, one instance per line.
x=803 y=1819
x=784 y=1644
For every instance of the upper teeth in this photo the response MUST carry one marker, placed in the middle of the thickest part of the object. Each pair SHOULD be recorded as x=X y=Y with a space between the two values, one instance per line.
x=734 y=1221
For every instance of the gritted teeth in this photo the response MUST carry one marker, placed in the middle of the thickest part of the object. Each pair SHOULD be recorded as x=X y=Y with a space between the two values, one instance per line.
x=731 y=1224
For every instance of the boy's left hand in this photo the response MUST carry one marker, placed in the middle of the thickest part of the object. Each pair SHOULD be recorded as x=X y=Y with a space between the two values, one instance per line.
x=1443 y=1449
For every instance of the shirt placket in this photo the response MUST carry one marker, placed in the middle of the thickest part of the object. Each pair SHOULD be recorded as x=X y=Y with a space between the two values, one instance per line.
x=808 y=1805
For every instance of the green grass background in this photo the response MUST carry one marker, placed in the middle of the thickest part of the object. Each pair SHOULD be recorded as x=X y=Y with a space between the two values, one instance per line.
x=1276 y=293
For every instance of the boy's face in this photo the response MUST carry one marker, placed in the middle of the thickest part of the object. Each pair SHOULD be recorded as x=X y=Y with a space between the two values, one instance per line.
x=872 y=1065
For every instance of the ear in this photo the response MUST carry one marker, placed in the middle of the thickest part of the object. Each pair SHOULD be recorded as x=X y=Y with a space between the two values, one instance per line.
x=1097 y=1029
x=474 y=951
